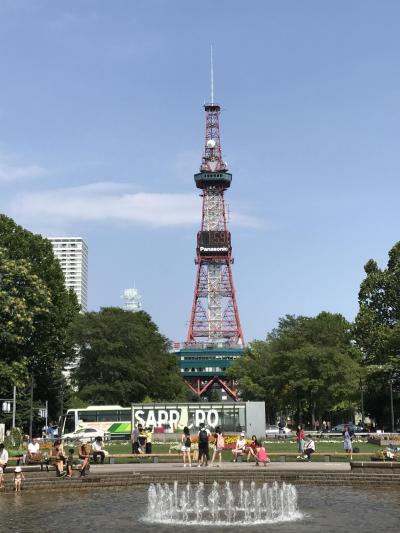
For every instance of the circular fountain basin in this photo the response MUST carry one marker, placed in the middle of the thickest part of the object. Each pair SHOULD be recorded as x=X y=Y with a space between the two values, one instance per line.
x=365 y=509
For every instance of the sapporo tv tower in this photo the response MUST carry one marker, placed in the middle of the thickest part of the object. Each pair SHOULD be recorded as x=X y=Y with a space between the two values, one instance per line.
x=215 y=336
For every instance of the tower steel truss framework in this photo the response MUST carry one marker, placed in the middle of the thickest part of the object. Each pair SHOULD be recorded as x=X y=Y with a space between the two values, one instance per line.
x=214 y=319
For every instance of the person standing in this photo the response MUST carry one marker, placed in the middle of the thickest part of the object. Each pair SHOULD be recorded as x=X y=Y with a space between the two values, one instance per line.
x=3 y=457
x=135 y=439
x=281 y=426
x=219 y=446
x=348 y=441
x=142 y=440
x=149 y=440
x=18 y=477
x=300 y=435
x=70 y=462
x=203 y=435
x=186 y=445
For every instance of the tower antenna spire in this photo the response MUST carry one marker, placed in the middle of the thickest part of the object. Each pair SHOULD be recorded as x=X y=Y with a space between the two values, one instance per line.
x=212 y=76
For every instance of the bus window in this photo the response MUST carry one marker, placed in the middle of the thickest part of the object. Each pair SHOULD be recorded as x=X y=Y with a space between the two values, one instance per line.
x=107 y=416
x=87 y=416
x=125 y=416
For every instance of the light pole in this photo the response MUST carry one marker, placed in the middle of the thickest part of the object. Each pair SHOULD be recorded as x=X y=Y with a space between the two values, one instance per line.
x=391 y=400
x=362 y=402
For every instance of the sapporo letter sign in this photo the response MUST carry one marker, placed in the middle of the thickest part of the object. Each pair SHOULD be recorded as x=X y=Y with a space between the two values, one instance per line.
x=175 y=418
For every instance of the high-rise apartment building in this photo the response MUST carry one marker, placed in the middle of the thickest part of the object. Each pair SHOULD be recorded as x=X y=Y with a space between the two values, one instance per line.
x=72 y=252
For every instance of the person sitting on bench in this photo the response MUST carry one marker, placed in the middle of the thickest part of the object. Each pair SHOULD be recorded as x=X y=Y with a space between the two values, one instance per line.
x=98 y=450
x=309 y=449
x=240 y=447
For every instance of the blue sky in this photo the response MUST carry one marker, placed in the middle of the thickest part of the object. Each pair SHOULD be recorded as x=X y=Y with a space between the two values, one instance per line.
x=101 y=131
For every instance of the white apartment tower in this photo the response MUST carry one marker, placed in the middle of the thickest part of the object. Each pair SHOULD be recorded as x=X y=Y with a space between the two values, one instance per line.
x=72 y=252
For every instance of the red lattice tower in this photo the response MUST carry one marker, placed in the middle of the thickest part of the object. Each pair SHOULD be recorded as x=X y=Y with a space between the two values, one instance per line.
x=215 y=317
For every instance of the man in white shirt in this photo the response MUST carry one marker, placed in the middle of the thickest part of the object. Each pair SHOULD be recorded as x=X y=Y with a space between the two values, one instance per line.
x=33 y=447
x=3 y=457
x=98 y=450
x=240 y=447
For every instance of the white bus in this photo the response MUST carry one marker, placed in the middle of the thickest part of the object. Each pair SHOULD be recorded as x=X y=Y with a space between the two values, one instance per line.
x=232 y=417
x=113 y=419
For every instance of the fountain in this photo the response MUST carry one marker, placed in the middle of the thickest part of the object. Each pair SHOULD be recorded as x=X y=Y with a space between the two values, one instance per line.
x=220 y=505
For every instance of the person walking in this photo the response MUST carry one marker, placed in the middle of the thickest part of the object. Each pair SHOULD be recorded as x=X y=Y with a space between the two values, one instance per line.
x=186 y=445
x=203 y=445
x=300 y=435
x=348 y=441
x=219 y=446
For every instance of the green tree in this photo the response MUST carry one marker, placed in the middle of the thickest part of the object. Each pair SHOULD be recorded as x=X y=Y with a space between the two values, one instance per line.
x=377 y=332
x=123 y=359
x=306 y=366
x=35 y=309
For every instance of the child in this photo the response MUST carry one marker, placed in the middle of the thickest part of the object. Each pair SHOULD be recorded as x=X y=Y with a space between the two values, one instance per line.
x=70 y=462
x=219 y=446
x=1 y=478
x=262 y=456
x=18 y=477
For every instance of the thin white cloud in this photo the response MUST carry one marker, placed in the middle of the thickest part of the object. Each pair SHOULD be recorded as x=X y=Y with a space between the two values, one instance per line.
x=12 y=169
x=113 y=202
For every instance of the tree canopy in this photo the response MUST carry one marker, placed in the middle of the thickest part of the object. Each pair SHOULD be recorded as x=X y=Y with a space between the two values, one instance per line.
x=35 y=311
x=307 y=366
x=377 y=331
x=123 y=359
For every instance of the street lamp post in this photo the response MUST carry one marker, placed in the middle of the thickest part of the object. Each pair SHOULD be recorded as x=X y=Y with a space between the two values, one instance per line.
x=391 y=401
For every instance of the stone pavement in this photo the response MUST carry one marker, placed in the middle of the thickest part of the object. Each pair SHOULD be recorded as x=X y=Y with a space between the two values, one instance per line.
x=226 y=467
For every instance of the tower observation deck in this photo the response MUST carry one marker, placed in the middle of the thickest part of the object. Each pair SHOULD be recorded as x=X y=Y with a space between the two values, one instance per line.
x=215 y=336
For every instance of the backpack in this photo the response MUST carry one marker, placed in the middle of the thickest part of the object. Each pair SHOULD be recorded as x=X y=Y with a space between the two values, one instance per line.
x=220 y=441
x=203 y=436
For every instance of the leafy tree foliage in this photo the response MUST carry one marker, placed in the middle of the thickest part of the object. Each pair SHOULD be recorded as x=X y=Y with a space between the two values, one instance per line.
x=377 y=331
x=123 y=359
x=377 y=325
x=306 y=366
x=35 y=311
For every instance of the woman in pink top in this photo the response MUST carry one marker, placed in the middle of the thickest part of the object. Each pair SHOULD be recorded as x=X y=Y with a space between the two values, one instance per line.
x=262 y=456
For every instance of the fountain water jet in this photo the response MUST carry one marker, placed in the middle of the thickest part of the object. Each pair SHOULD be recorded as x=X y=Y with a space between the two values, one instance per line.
x=222 y=505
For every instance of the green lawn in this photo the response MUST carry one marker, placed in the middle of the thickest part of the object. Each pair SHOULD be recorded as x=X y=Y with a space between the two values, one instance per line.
x=277 y=446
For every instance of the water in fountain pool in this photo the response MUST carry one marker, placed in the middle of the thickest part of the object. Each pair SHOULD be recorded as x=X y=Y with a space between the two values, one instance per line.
x=222 y=505
x=324 y=508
